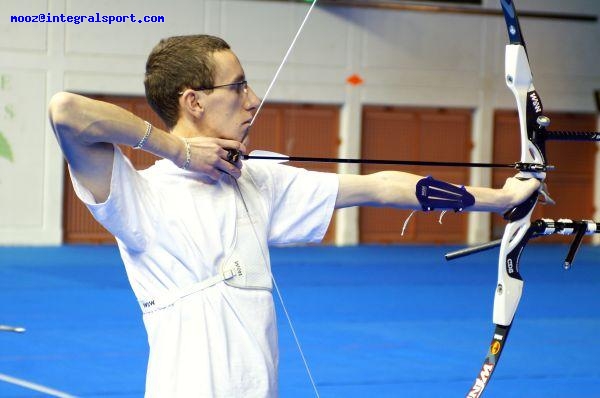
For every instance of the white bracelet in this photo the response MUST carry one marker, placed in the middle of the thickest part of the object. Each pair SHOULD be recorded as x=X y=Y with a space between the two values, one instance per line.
x=140 y=144
x=188 y=154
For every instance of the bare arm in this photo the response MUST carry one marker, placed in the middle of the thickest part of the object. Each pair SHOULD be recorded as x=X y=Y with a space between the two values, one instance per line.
x=397 y=189
x=86 y=130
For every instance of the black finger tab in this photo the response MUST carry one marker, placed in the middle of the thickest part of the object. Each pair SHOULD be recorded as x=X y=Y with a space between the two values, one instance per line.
x=233 y=155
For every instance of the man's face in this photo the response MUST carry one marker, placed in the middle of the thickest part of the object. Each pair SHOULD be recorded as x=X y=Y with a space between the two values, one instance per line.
x=228 y=110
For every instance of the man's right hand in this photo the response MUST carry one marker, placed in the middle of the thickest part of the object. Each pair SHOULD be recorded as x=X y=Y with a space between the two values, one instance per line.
x=209 y=157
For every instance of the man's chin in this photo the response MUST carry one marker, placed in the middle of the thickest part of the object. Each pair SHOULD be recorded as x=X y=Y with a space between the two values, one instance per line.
x=245 y=133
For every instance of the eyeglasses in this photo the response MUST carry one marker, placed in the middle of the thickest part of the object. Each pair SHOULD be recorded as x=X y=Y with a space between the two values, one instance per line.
x=239 y=86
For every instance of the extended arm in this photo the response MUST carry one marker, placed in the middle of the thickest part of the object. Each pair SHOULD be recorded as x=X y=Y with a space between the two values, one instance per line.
x=398 y=189
x=86 y=130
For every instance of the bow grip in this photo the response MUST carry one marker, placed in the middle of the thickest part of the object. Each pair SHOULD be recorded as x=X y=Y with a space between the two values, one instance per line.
x=521 y=210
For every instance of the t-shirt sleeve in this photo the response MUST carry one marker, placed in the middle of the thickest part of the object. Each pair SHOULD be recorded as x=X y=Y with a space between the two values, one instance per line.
x=301 y=204
x=126 y=211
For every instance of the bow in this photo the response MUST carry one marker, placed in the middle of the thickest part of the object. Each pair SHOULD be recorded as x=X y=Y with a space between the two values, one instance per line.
x=532 y=125
x=520 y=229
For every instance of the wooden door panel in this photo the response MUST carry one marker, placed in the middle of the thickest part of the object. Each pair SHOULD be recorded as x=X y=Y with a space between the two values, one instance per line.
x=300 y=130
x=415 y=134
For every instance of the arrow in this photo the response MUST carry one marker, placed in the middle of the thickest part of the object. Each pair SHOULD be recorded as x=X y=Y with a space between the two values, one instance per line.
x=280 y=158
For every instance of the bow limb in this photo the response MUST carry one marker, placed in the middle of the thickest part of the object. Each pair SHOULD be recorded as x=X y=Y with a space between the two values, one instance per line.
x=283 y=61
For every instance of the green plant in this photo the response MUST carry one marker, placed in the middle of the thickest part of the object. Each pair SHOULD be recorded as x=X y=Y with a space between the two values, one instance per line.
x=5 y=151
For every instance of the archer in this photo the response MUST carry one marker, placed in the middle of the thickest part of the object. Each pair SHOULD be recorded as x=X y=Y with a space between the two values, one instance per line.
x=194 y=229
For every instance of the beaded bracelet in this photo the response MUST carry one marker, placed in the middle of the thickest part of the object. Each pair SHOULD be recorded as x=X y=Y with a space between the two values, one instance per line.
x=140 y=144
x=188 y=154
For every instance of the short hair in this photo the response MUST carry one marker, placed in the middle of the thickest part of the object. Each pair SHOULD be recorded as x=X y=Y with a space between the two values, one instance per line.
x=175 y=64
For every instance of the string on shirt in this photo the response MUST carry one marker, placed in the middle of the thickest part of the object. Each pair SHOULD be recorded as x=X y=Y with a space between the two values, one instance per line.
x=279 y=295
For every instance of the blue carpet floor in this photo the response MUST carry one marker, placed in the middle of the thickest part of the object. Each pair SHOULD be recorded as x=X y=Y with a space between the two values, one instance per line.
x=374 y=321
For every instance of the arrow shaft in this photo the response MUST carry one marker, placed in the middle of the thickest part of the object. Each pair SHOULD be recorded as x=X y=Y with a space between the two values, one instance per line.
x=381 y=161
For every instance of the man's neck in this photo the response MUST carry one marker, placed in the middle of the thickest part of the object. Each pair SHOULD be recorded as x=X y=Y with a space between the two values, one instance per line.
x=186 y=129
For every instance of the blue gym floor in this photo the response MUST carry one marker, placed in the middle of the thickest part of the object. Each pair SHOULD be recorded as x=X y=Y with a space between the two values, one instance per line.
x=374 y=321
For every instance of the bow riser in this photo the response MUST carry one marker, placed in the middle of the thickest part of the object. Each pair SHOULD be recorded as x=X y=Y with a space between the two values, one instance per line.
x=510 y=284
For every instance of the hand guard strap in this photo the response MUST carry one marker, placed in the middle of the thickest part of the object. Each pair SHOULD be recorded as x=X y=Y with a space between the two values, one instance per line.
x=433 y=194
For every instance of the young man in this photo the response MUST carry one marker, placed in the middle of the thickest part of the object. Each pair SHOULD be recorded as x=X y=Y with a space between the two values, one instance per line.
x=194 y=229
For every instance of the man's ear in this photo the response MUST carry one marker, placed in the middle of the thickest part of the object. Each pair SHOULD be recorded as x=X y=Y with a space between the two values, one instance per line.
x=192 y=102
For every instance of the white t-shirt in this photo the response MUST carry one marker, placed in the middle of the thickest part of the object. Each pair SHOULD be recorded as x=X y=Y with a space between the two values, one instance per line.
x=173 y=231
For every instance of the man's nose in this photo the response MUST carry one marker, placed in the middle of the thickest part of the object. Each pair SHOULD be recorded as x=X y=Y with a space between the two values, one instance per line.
x=252 y=100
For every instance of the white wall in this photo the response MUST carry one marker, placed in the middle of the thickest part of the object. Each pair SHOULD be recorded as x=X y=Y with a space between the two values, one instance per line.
x=405 y=58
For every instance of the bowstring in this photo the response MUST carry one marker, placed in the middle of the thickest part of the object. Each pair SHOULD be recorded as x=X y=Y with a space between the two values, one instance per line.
x=283 y=61
x=279 y=295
